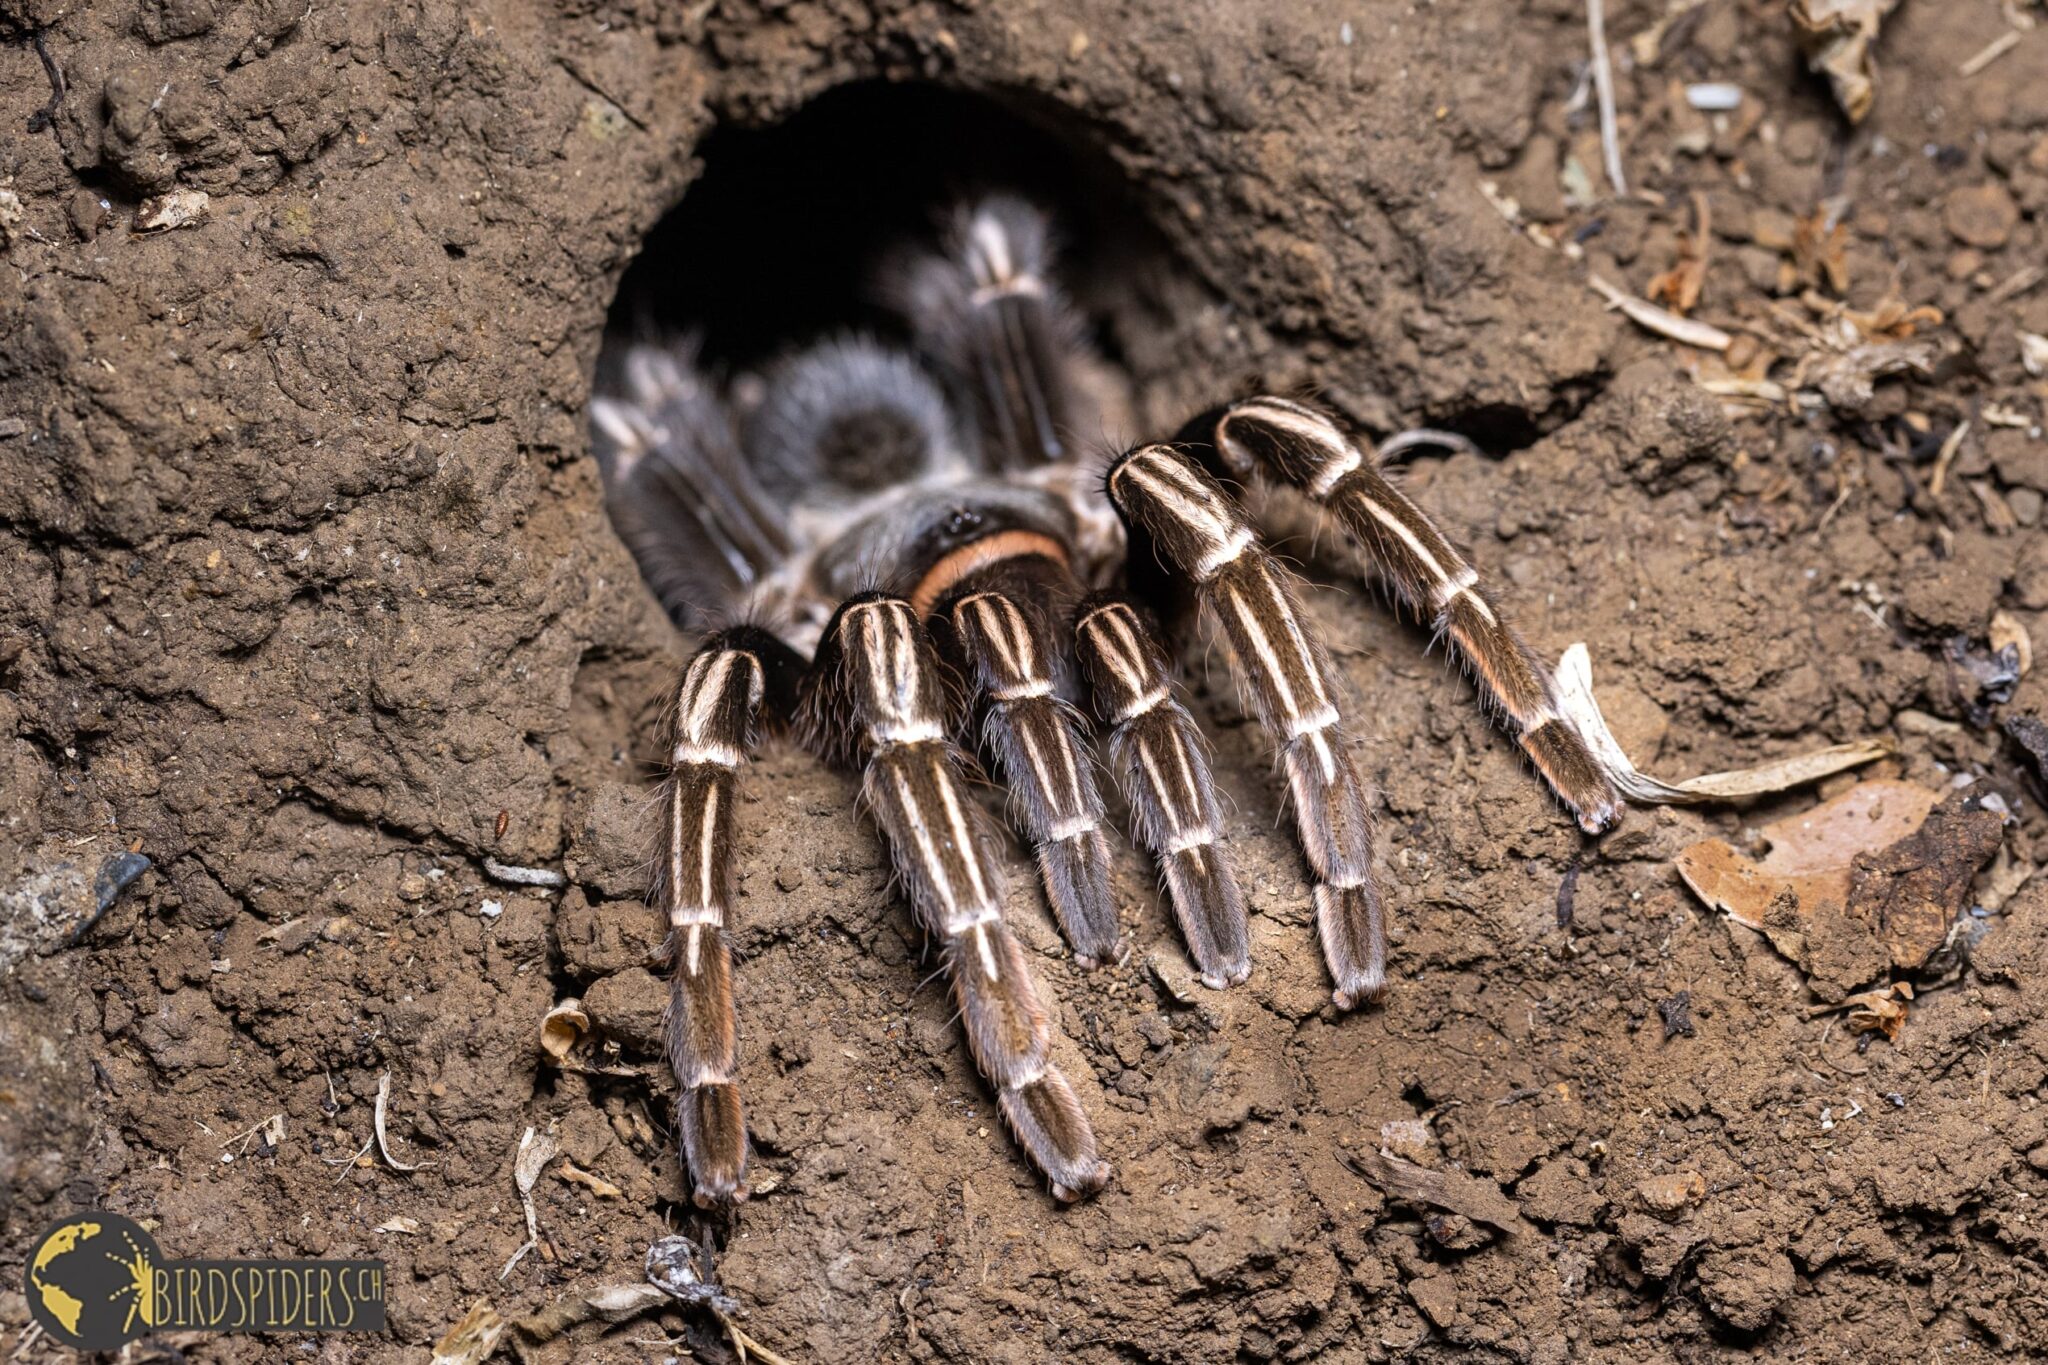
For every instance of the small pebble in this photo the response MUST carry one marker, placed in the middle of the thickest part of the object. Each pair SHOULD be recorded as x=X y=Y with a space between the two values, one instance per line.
x=1981 y=215
x=1668 y=1195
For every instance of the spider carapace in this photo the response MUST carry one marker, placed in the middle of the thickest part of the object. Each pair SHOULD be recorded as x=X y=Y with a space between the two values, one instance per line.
x=938 y=569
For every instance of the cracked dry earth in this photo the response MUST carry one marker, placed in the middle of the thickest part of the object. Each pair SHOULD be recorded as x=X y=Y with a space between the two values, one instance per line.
x=306 y=595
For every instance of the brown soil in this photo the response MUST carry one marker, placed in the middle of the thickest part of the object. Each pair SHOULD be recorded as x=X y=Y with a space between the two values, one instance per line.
x=306 y=593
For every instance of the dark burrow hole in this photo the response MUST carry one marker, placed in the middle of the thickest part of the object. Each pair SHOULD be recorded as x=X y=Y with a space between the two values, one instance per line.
x=778 y=240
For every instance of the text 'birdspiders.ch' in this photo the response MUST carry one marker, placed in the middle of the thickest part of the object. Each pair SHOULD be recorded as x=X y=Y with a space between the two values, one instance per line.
x=939 y=571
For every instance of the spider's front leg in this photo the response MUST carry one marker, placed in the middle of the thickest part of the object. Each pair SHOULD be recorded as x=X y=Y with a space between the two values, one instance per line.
x=1173 y=504
x=1302 y=446
x=998 y=631
x=876 y=691
x=732 y=682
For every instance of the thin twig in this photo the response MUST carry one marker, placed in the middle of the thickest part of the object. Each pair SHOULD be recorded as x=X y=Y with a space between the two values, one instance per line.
x=1603 y=89
x=1643 y=313
x=745 y=1345
x=1945 y=457
x=383 y=1143
x=1996 y=48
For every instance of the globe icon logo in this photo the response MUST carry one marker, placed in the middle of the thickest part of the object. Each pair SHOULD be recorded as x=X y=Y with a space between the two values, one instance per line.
x=91 y=1281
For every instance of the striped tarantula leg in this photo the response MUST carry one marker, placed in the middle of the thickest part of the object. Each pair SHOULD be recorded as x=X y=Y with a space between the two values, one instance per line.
x=1196 y=525
x=876 y=670
x=1044 y=760
x=1160 y=759
x=985 y=308
x=1302 y=446
x=712 y=721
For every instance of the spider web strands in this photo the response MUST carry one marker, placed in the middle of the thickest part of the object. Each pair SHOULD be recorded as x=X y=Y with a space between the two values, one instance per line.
x=1302 y=447
x=710 y=726
x=1160 y=759
x=1287 y=681
x=884 y=672
x=1040 y=751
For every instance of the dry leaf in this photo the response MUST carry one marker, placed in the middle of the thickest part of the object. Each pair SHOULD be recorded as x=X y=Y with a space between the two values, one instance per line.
x=1882 y=1009
x=1575 y=697
x=2034 y=353
x=608 y=1303
x=1836 y=36
x=1879 y=1011
x=1680 y=286
x=179 y=208
x=409 y=1226
x=472 y=1340
x=1847 y=379
x=383 y=1142
x=562 y=1028
x=1914 y=889
x=1808 y=870
x=536 y=1150
x=1468 y=1195
x=1820 y=247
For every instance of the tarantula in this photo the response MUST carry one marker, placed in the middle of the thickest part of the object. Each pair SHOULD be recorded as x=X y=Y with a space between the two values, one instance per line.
x=919 y=523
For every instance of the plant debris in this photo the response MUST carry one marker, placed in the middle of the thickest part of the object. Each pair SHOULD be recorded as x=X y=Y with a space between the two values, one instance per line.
x=383 y=1142
x=163 y=212
x=1914 y=889
x=682 y=1270
x=1466 y=1195
x=1575 y=697
x=1881 y=1010
x=1677 y=1015
x=1809 y=860
x=1836 y=36
x=1679 y=287
x=1661 y=321
x=563 y=1027
x=472 y=1340
x=536 y=1150
x=1867 y=882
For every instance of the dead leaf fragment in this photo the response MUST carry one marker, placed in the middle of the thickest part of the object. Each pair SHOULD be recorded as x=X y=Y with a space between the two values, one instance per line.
x=163 y=212
x=608 y=1303
x=1662 y=321
x=472 y=1340
x=1806 y=873
x=1913 y=889
x=1679 y=287
x=536 y=1150
x=1836 y=36
x=2008 y=631
x=1882 y=1010
x=562 y=1028
x=1469 y=1195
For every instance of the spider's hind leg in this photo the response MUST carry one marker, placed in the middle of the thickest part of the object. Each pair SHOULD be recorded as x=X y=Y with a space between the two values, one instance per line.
x=1301 y=446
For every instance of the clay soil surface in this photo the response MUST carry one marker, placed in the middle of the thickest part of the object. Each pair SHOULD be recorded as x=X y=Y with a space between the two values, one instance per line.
x=308 y=597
